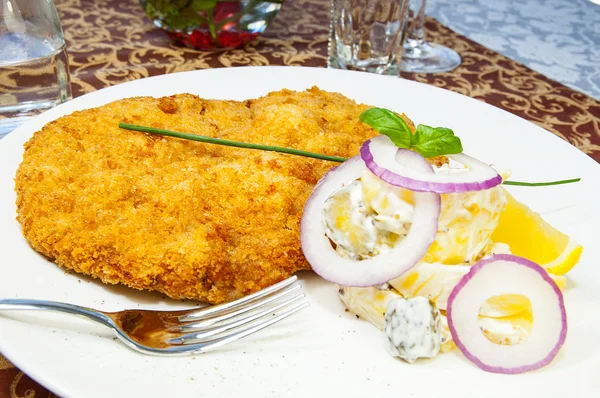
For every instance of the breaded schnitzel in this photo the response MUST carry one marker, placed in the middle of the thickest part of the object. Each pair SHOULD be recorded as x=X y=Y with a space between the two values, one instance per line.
x=188 y=219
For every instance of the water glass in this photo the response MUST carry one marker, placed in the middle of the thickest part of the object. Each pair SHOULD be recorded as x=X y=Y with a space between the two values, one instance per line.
x=367 y=35
x=34 y=70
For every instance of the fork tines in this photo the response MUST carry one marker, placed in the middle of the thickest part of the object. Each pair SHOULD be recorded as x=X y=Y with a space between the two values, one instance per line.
x=215 y=326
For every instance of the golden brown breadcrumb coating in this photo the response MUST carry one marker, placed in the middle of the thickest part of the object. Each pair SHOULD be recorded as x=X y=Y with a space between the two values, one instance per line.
x=188 y=219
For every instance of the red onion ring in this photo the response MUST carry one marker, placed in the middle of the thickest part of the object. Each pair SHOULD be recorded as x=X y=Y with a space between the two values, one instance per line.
x=503 y=274
x=381 y=157
x=327 y=263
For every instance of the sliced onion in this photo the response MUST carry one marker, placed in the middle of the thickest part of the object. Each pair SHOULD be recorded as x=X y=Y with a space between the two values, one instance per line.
x=326 y=262
x=384 y=159
x=508 y=274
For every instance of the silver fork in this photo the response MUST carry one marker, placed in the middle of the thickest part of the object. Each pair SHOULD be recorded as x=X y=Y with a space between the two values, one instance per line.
x=187 y=331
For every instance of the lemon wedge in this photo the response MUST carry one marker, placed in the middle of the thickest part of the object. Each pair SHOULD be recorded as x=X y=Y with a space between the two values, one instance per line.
x=529 y=236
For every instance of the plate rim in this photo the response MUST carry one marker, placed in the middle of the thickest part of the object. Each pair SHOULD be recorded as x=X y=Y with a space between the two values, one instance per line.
x=55 y=385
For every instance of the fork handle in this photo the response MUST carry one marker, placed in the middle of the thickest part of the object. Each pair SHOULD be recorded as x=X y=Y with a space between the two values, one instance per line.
x=43 y=305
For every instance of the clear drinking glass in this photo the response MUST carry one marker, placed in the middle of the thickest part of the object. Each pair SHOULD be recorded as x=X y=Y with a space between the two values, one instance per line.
x=34 y=71
x=420 y=56
x=366 y=35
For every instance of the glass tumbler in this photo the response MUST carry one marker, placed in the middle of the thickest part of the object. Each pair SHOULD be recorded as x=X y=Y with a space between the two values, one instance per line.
x=366 y=35
x=34 y=70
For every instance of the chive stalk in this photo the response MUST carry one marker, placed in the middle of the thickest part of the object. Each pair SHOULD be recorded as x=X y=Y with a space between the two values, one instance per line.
x=298 y=152
x=220 y=141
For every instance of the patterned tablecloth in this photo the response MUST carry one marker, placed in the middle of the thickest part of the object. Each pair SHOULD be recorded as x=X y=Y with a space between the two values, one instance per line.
x=111 y=41
x=558 y=38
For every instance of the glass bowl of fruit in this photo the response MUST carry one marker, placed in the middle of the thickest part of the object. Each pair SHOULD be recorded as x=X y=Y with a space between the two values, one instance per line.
x=212 y=24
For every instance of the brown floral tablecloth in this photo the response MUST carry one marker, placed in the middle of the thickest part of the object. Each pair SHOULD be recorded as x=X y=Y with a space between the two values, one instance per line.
x=111 y=41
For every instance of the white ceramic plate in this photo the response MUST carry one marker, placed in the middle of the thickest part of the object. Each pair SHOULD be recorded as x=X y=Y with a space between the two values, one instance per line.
x=321 y=351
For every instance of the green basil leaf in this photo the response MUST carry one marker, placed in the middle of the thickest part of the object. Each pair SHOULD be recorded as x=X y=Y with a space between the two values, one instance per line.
x=388 y=123
x=203 y=5
x=435 y=141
